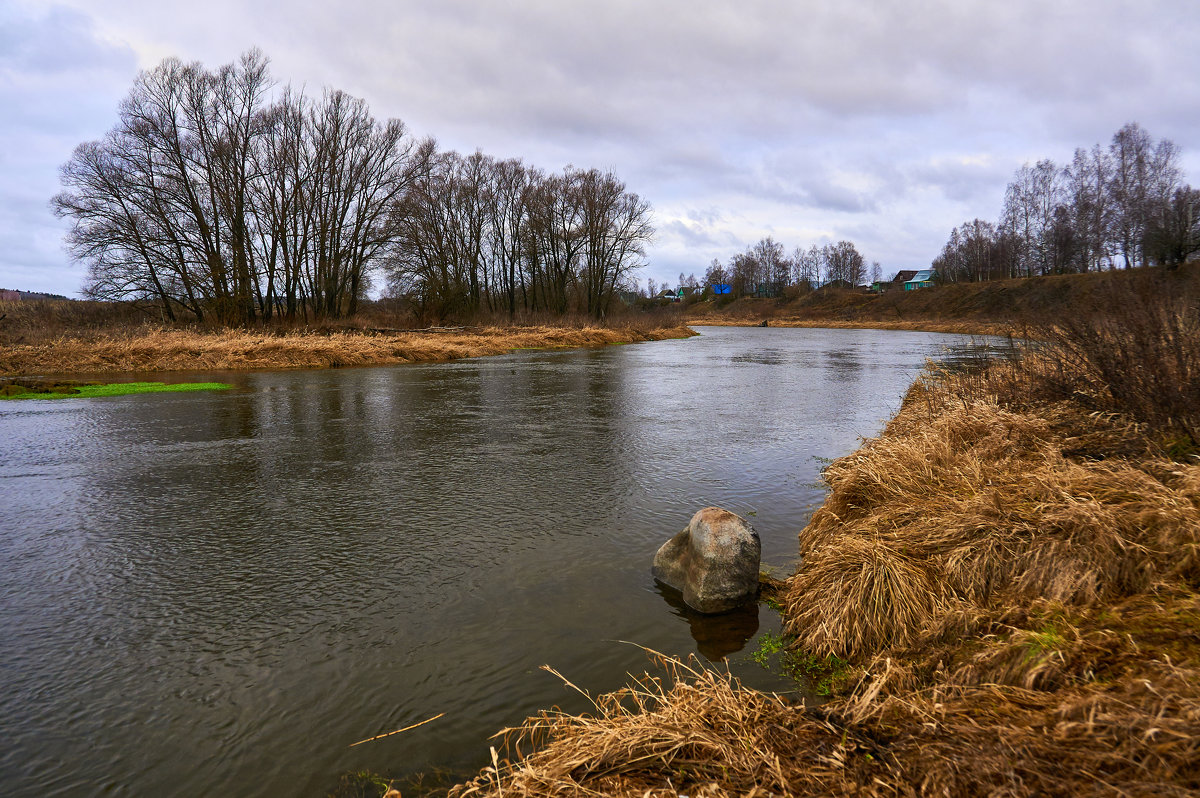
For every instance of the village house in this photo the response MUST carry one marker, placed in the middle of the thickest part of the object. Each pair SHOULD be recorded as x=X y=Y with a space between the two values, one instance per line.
x=894 y=284
x=922 y=279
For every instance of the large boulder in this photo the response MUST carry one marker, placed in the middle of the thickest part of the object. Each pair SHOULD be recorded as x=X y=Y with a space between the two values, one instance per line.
x=713 y=562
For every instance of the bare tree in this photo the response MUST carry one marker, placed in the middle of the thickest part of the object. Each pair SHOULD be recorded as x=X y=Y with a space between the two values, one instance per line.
x=1173 y=229
x=807 y=267
x=208 y=198
x=1144 y=177
x=715 y=274
x=843 y=262
x=616 y=227
x=771 y=266
x=1029 y=210
x=1086 y=189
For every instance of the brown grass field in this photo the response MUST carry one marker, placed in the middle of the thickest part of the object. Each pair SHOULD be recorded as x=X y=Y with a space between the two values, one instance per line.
x=166 y=349
x=1005 y=587
x=1000 y=307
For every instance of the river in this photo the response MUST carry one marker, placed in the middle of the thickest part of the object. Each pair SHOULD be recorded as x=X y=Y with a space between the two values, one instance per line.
x=216 y=593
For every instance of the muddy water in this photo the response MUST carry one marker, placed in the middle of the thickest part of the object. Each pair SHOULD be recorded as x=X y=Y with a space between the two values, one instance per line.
x=215 y=594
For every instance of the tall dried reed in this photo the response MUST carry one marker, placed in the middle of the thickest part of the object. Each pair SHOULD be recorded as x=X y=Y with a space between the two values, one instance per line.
x=1136 y=351
x=965 y=505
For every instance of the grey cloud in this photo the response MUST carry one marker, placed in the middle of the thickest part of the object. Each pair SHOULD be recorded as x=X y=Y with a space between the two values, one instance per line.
x=849 y=117
x=831 y=196
x=58 y=41
x=962 y=178
x=693 y=235
x=59 y=85
x=705 y=216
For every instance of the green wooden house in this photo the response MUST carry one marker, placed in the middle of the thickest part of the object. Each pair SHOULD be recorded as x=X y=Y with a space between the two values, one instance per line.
x=923 y=279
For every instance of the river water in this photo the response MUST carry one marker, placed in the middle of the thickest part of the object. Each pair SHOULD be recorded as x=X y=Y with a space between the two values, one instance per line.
x=216 y=593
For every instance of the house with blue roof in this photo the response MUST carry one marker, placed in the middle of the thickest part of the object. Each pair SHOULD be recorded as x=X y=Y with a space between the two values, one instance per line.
x=923 y=279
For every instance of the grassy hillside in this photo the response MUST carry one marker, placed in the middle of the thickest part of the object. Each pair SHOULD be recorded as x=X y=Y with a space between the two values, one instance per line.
x=1002 y=302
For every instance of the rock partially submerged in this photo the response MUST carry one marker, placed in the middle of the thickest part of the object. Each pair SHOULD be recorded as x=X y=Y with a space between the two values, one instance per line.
x=714 y=561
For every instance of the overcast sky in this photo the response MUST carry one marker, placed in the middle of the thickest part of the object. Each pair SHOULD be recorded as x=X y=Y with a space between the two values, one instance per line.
x=884 y=123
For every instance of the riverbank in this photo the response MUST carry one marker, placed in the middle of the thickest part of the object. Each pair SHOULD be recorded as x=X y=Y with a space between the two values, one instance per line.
x=1002 y=591
x=167 y=349
x=954 y=327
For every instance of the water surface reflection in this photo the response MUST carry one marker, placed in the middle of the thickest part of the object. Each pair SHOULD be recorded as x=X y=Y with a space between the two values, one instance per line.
x=216 y=593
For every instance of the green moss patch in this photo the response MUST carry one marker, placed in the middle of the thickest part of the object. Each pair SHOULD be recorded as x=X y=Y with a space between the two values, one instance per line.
x=63 y=390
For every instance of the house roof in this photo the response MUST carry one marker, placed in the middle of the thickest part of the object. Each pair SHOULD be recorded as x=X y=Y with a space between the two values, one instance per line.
x=904 y=276
x=922 y=276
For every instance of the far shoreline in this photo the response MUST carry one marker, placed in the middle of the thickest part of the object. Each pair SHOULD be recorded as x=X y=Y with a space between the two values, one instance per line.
x=951 y=327
x=156 y=349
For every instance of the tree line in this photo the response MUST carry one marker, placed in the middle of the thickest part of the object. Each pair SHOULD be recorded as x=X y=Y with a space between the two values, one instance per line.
x=766 y=269
x=1123 y=205
x=219 y=196
x=481 y=234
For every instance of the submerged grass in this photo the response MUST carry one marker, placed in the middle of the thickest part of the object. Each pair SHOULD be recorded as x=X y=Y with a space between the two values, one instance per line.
x=1003 y=591
x=88 y=391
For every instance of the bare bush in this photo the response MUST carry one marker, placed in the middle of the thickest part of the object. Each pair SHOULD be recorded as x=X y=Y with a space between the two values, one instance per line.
x=1135 y=351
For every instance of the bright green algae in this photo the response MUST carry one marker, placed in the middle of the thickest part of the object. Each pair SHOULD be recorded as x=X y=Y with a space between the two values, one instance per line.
x=84 y=391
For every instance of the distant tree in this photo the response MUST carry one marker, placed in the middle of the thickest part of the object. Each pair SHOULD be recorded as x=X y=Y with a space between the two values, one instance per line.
x=807 y=265
x=1144 y=178
x=1173 y=229
x=715 y=274
x=770 y=267
x=743 y=273
x=764 y=268
x=844 y=262
x=1029 y=208
x=1087 y=179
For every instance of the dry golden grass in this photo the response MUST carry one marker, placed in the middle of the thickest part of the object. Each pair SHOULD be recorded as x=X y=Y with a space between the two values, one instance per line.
x=700 y=733
x=158 y=349
x=688 y=730
x=962 y=505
